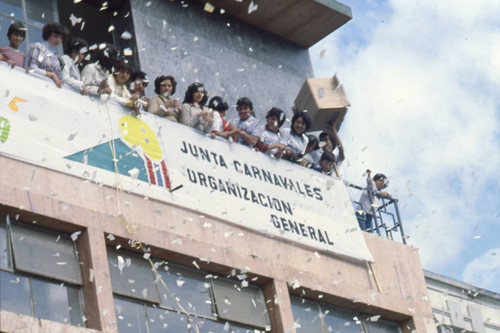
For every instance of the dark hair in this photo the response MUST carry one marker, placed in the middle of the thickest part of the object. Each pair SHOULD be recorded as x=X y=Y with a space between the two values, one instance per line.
x=244 y=101
x=278 y=113
x=217 y=103
x=194 y=87
x=108 y=55
x=17 y=27
x=122 y=66
x=139 y=75
x=327 y=156
x=304 y=116
x=313 y=140
x=76 y=44
x=323 y=135
x=54 y=28
x=160 y=79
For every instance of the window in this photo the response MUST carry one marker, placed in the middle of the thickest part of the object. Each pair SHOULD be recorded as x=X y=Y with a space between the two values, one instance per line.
x=34 y=14
x=39 y=273
x=311 y=317
x=142 y=304
x=94 y=22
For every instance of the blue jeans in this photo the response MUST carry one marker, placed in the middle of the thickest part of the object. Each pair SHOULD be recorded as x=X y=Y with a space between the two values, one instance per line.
x=365 y=221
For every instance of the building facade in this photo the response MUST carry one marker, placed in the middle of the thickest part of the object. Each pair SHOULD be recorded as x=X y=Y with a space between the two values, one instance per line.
x=120 y=224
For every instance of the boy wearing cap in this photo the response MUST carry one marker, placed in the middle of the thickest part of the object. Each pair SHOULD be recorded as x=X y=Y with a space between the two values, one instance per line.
x=11 y=53
x=220 y=126
x=369 y=199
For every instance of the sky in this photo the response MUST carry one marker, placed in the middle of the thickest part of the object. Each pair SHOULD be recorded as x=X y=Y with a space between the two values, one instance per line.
x=423 y=80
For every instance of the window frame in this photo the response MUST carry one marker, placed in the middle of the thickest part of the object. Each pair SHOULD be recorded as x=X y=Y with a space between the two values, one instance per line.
x=73 y=319
x=196 y=316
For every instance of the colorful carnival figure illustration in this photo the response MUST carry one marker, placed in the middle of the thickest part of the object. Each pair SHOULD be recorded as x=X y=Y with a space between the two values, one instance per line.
x=137 y=153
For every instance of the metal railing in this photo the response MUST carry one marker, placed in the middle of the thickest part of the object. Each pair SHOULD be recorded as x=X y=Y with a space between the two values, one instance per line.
x=386 y=220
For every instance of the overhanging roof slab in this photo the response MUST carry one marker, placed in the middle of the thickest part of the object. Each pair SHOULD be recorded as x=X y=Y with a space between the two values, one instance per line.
x=303 y=22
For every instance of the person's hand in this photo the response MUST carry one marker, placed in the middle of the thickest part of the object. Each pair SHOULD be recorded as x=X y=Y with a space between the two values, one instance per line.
x=207 y=116
x=137 y=112
x=135 y=96
x=57 y=81
x=104 y=87
x=11 y=63
x=84 y=91
x=384 y=194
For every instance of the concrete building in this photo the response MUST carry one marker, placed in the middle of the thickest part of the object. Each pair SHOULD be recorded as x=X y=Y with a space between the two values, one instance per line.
x=461 y=307
x=114 y=223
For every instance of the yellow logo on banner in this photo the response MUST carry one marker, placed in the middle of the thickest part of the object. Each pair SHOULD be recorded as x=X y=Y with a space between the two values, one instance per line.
x=12 y=104
x=137 y=133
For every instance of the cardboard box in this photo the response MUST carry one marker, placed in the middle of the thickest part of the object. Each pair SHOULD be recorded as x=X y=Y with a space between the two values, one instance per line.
x=325 y=101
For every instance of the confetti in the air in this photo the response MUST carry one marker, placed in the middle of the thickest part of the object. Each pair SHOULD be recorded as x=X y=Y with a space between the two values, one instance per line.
x=74 y=20
x=252 y=7
x=74 y=236
x=126 y=35
x=209 y=8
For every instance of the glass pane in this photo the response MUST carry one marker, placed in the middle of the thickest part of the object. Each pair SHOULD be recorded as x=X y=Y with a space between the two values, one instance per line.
x=341 y=320
x=189 y=287
x=382 y=326
x=132 y=276
x=15 y=293
x=34 y=36
x=130 y=316
x=75 y=306
x=161 y=320
x=45 y=254
x=4 y=252
x=50 y=301
x=12 y=8
x=41 y=11
x=306 y=315
x=242 y=305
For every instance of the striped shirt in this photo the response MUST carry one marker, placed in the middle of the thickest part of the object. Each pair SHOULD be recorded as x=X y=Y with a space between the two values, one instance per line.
x=14 y=55
x=43 y=58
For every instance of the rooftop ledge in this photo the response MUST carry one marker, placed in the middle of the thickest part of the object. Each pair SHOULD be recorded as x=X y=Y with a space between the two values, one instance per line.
x=303 y=22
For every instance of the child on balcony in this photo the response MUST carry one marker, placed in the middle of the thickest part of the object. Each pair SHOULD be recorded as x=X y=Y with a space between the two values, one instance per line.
x=43 y=57
x=326 y=163
x=369 y=199
x=75 y=52
x=11 y=53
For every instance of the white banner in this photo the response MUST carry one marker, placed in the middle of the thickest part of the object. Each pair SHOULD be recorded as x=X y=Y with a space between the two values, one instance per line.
x=79 y=135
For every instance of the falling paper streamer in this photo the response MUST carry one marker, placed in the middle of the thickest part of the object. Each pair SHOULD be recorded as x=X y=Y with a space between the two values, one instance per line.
x=74 y=20
x=252 y=7
x=74 y=236
x=126 y=35
x=121 y=264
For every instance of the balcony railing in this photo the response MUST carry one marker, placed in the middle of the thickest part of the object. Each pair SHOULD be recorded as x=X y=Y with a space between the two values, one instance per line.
x=387 y=219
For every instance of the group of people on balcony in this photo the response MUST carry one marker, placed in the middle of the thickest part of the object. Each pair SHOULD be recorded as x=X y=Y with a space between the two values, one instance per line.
x=106 y=75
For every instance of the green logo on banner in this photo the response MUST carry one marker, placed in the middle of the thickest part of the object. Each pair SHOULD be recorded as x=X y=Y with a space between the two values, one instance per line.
x=4 y=129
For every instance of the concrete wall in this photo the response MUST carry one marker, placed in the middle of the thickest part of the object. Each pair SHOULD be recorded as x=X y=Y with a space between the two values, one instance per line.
x=68 y=203
x=232 y=61
x=462 y=305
